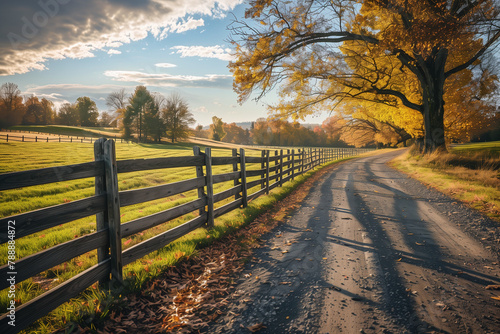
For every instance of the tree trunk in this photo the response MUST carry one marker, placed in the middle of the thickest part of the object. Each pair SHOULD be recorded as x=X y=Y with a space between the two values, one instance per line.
x=432 y=80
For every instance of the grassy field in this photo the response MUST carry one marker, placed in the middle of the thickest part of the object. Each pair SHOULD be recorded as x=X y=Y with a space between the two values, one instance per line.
x=73 y=131
x=468 y=173
x=489 y=149
x=25 y=156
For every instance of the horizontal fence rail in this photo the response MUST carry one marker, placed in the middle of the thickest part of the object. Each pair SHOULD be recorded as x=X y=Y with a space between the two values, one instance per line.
x=270 y=170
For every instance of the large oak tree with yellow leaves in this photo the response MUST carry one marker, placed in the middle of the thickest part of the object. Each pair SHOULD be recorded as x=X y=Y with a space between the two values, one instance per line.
x=392 y=52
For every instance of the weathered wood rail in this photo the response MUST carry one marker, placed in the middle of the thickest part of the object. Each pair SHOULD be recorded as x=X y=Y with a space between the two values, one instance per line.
x=276 y=168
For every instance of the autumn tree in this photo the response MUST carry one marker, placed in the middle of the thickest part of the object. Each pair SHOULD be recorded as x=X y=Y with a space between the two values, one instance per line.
x=139 y=103
x=177 y=117
x=87 y=111
x=34 y=111
x=236 y=134
x=217 y=129
x=363 y=130
x=261 y=132
x=12 y=108
x=200 y=132
x=107 y=120
x=68 y=115
x=339 y=50
x=117 y=102
x=48 y=111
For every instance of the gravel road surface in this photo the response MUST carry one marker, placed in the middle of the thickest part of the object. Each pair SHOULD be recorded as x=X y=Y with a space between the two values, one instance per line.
x=371 y=251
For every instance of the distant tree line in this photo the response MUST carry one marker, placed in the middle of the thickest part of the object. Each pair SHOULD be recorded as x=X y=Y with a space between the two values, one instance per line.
x=16 y=109
x=268 y=132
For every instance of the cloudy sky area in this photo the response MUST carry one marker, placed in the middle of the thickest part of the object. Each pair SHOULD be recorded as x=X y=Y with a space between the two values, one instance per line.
x=63 y=49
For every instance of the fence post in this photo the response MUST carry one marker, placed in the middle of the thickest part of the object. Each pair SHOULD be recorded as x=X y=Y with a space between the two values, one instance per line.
x=199 y=173
x=8 y=137
x=210 y=187
x=302 y=159
x=262 y=166
x=36 y=139
x=276 y=165
x=309 y=159
x=235 y=169
x=293 y=165
x=100 y=189
x=281 y=168
x=288 y=163
x=113 y=199
x=244 y=192
x=267 y=172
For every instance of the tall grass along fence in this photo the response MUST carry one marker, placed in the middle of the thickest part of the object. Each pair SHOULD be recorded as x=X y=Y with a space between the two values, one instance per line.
x=268 y=171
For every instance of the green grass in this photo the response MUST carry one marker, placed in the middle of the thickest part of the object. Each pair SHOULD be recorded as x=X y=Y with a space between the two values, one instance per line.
x=74 y=131
x=491 y=149
x=25 y=156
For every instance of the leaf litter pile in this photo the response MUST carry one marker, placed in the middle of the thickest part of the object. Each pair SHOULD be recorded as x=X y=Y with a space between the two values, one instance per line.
x=190 y=295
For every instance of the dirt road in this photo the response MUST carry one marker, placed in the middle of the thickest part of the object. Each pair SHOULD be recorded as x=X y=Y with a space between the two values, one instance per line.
x=370 y=251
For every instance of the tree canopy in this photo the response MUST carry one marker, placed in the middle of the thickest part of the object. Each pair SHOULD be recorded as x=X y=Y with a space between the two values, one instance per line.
x=217 y=129
x=392 y=52
x=177 y=117
x=12 y=108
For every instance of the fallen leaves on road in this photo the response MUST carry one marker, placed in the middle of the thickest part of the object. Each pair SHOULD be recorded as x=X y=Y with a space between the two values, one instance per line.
x=256 y=328
x=493 y=287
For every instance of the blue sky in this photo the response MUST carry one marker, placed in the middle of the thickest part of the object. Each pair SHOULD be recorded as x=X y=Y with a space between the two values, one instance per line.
x=63 y=49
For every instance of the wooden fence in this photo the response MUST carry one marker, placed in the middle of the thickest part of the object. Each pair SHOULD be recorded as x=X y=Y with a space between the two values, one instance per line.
x=52 y=138
x=275 y=169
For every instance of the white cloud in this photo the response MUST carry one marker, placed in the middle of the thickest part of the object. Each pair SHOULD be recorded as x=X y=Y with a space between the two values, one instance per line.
x=201 y=109
x=190 y=24
x=167 y=80
x=114 y=44
x=33 y=32
x=114 y=52
x=215 y=51
x=71 y=87
x=165 y=65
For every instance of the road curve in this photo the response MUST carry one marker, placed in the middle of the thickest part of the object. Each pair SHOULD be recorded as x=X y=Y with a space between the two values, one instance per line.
x=369 y=251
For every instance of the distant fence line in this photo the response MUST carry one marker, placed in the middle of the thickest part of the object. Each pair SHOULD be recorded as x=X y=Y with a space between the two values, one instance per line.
x=53 y=138
x=272 y=170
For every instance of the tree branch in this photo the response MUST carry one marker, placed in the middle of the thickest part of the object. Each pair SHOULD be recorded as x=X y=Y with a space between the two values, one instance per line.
x=401 y=96
x=323 y=38
x=476 y=56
